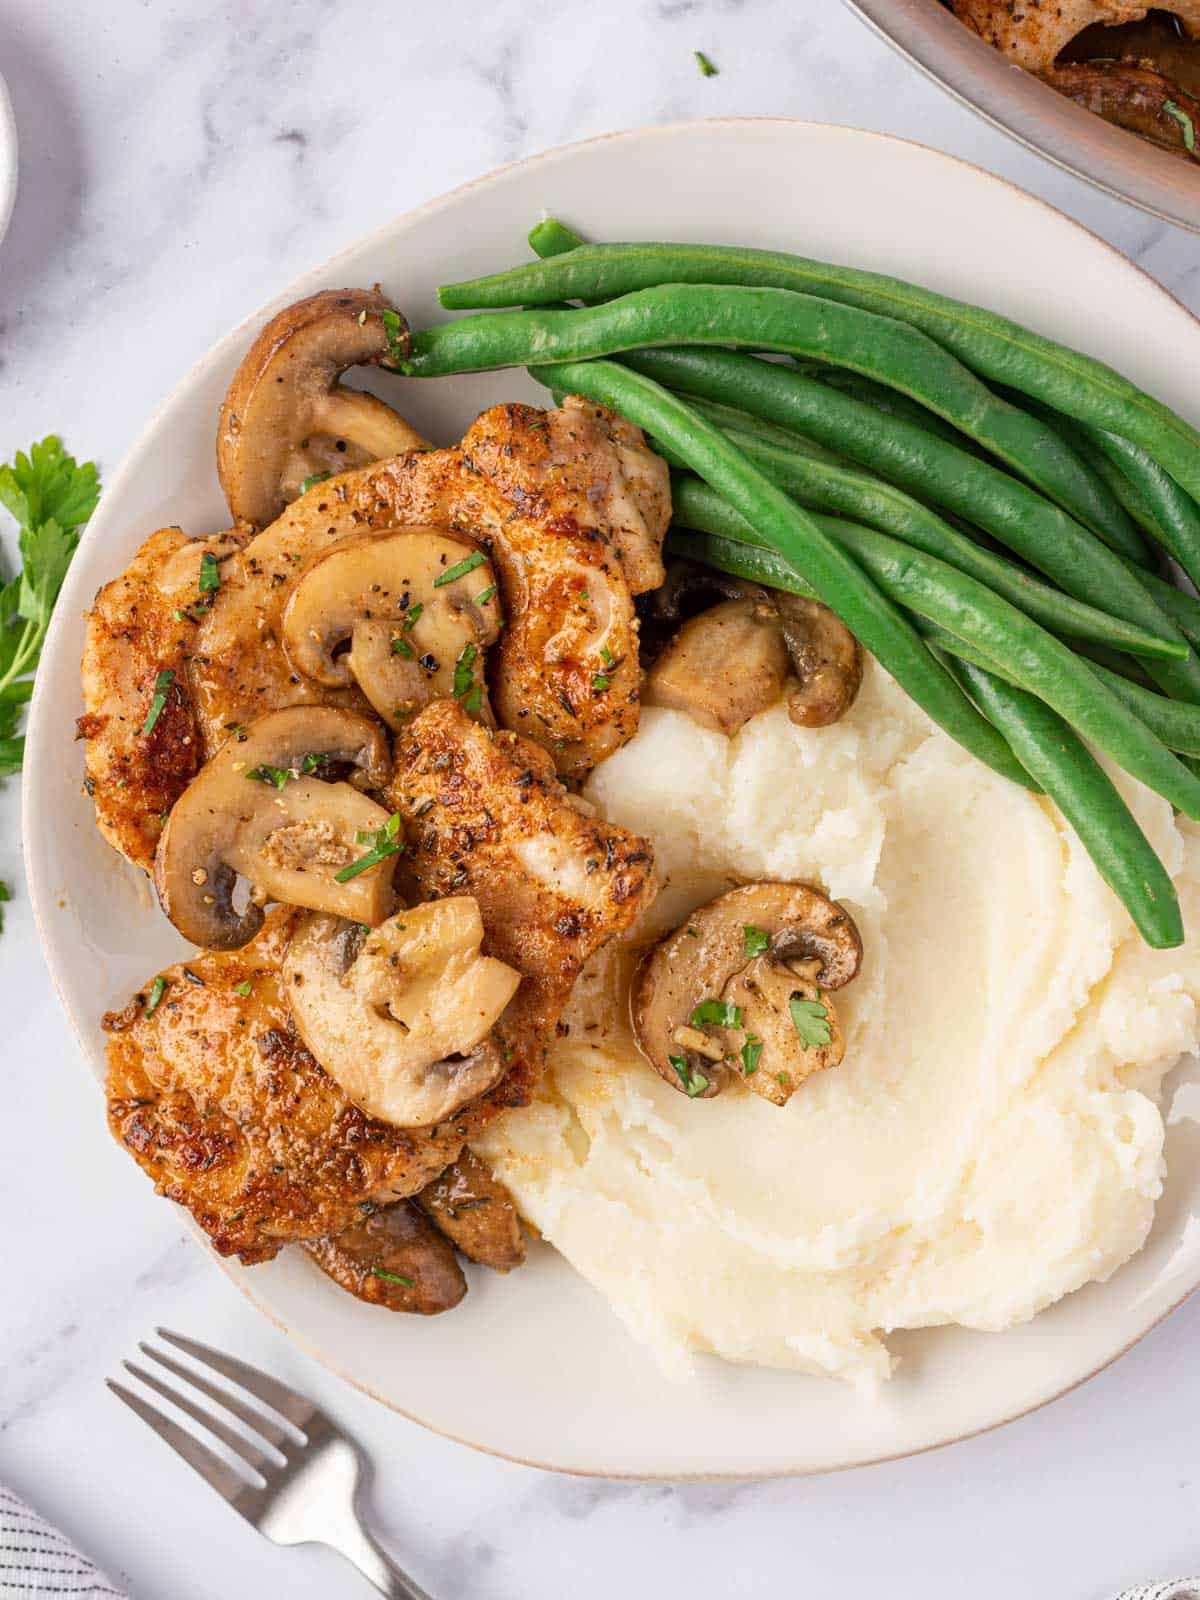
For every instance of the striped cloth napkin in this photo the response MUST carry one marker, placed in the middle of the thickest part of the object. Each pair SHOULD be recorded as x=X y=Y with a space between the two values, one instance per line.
x=36 y=1560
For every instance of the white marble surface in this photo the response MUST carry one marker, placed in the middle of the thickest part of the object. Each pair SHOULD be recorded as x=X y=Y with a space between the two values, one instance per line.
x=180 y=160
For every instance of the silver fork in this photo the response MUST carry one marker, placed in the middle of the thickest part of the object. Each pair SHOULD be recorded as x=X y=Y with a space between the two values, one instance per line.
x=302 y=1485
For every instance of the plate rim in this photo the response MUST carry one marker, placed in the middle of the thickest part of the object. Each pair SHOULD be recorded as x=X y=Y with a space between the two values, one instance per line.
x=41 y=894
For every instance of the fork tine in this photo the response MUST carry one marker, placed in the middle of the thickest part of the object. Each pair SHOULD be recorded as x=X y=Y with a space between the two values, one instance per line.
x=287 y=1402
x=237 y=1442
x=258 y=1420
x=230 y=1485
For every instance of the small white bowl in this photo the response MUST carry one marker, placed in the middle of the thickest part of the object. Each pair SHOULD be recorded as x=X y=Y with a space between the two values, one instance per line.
x=8 y=158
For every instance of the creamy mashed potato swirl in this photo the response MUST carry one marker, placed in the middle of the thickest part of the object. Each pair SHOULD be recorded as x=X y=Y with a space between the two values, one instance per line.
x=992 y=1140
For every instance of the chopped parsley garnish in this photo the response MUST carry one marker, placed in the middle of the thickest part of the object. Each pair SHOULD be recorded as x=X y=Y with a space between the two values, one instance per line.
x=601 y=682
x=717 y=1012
x=1185 y=122
x=708 y=67
x=694 y=1082
x=400 y=645
x=5 y=897
x=383 y=844
x=751 y=1054
x=393 y=1277
x=472 y=701
x=460 y=569
x=811 y=1021
x=313 y=478
x=396 y=329
x=242 y=988
x=464 y=670
x=162 y=688
x=606 y=655
x=487 y=594
x=210 y=573
x=754 y=940
x=282 y=776
x=157 y=989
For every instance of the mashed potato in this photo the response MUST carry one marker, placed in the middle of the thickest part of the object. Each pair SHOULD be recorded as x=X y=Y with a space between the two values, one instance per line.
x=991 y=1141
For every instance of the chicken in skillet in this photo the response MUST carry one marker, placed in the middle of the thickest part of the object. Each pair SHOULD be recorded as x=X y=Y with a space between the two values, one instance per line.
x=1034 y=35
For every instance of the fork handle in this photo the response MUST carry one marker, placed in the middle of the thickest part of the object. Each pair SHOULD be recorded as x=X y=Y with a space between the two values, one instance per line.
x=357 y=1545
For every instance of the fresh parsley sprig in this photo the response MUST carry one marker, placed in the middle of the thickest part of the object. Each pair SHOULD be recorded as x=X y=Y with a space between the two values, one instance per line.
x=383 y=842
x=50 y=496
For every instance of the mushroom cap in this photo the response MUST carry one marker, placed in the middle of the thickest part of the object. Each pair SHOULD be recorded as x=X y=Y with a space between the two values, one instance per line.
x=731 y=660
x=826 y=658
x=475 y=1211
x=723 y=667
x=754 y=949
x=394 y=1257
x=286 y=416
x=414 y=637
x=289 y=838
x=402 y=1017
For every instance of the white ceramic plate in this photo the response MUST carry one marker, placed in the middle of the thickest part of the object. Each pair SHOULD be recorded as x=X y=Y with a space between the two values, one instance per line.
x=536 y=1366
x=8 y=158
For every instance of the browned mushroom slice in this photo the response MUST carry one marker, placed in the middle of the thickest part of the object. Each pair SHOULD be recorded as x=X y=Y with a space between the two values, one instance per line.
x=743 y=986
x=723 y=667
x=733 y=660
x=394 y=1258
x=418 y=607
x=402 y=1016
x=476 y=1212
x=825 y=657
x=260 y=809
x=287 y=417
x=1135 y=97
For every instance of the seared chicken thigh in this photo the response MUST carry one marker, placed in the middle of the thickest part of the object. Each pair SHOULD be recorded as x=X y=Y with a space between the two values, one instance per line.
x=572 y=506
x=209 y=1085
x=1032 y=35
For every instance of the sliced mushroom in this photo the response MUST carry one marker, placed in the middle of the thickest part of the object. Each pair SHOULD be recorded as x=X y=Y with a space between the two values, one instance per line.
x=415 y=633
x=733 y=660
x=402 y=1017
x=286 y=417
x=260 y=809
x=743 y=986
x=825 y=656
x=394 y=1258
x=476 y=1213
x=723 y=667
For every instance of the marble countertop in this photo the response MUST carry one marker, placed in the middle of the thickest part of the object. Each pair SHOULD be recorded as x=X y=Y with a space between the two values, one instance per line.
x=181 y=160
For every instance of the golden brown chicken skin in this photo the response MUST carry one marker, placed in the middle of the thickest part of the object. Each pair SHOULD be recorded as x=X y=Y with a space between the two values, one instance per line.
x=217 y=1100
x=1032 y=34
x=572 y=507
x=485 y=816
x=141 y=631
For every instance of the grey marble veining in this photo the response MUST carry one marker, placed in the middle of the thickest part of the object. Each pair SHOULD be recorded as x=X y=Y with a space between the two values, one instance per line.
x=181 y=162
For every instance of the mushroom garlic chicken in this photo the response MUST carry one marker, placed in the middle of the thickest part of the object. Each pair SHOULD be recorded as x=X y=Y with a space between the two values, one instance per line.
x=346 y=737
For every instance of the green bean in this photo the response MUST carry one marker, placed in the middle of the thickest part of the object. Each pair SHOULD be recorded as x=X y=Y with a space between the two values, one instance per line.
x=1088 y=799
x=823 y=485
x=1181 y=607
x=994 y=346
x=885 y=399
x=1035 y=659
x=1174 y=514
x=784 y=526
x=779 y=320
x=929 y=469
x=749 y=561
